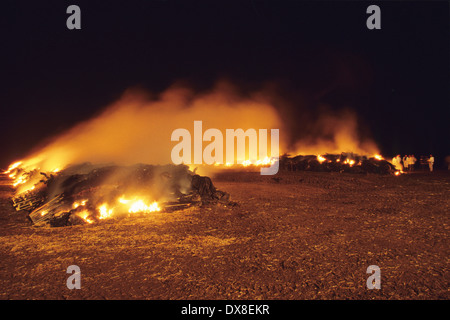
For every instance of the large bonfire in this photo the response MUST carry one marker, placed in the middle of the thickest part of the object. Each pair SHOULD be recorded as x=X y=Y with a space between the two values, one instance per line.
x=67 y=181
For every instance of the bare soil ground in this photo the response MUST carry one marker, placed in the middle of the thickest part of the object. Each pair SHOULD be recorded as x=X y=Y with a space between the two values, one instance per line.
x=298 y=235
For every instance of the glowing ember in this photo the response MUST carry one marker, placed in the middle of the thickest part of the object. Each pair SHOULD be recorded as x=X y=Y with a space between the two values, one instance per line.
x=399 y=172
x=350 y=162
x=320 y=158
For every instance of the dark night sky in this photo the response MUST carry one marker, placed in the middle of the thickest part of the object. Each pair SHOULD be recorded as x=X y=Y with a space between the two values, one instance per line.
x=396 y=78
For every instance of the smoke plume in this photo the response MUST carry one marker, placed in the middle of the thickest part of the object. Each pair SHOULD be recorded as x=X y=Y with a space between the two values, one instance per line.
x=137 y=128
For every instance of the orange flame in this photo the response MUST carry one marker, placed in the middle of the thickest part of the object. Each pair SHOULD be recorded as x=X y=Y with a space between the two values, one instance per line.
x=138 y=205
x=85 y=215
x=320 y=158
x=104 y=211
x=378 y=157
x=12 y=167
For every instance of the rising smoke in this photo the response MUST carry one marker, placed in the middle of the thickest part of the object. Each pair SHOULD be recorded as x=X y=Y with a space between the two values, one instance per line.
x=137 y=128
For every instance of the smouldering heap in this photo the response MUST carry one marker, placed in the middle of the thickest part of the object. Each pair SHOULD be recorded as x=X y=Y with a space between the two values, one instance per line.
x=88 y=193
x=34 y=186
x=344 y=162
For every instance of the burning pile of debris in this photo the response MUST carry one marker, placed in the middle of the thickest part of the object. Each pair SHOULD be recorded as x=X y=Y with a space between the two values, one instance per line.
x=344 y=162
x=86 y=193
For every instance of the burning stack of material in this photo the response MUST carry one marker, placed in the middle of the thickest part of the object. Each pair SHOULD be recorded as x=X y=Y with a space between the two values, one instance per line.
x=27 y=201
x=87 y=193
x=344 y=162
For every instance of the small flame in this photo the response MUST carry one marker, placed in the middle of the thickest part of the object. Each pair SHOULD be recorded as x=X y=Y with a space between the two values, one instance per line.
x=349 y=162
x=320 y=158
x=77 y=204
x=265 y=162
x=246 y=163
x=104 y=211
x=139 y=205
x=258 y=163
x=12 y=167
x=20 y=180
x=22 y=176
x=85 y=215
x=378 y=157
x=399 y=172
